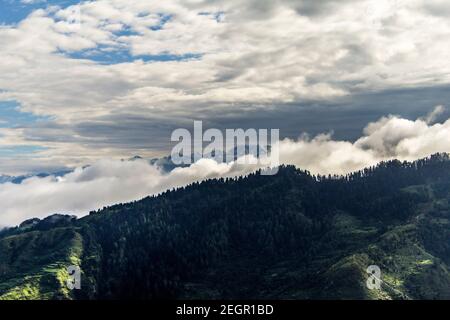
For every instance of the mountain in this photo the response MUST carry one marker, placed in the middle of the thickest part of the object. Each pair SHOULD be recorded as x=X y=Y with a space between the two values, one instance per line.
x=21 y=178
x=288 y=236
x=165 y=164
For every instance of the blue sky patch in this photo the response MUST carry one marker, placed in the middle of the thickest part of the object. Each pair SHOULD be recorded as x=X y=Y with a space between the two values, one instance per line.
x=108 y=57
x=13 y=151
x=14 y=11
x=11 y=116
x=164 y=18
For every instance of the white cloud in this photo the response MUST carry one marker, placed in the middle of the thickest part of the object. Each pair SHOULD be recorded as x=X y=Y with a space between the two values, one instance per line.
x=433 y=115
x=104 y=183
x=388 y=138
x=108 y=182
x=259 y=54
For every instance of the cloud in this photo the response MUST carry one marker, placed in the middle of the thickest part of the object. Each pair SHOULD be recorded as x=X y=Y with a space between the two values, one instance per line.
x=433 y=115
x=104 y=183
x=259 y=55
x=107 y=182
x=390 y=137
x=437 y=8
x=32 y=1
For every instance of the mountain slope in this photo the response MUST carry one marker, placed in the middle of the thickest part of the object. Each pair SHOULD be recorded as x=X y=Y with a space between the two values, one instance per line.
x=33 y=264
x=289 y=236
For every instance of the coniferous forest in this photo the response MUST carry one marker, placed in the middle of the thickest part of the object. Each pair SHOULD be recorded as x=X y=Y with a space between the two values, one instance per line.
x=289 y=236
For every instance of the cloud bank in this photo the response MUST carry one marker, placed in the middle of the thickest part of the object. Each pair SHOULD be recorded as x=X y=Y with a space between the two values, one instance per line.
x=388 y=138
x=131 y=67
x=108 y=182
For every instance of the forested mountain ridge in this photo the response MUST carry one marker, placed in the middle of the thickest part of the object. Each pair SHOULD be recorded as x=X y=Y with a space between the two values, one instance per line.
x=289 y=236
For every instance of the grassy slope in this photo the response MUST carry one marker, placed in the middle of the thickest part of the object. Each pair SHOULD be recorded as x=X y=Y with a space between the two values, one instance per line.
x=409 y=269
x=33 y=265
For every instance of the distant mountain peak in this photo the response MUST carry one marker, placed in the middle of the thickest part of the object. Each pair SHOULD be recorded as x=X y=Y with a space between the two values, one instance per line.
x=135 y=158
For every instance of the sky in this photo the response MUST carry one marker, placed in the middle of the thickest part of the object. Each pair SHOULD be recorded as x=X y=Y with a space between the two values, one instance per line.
x=348 y=83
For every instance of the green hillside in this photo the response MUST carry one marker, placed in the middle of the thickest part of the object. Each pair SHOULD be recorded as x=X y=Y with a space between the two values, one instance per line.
x=289 y=236
x=33 y=265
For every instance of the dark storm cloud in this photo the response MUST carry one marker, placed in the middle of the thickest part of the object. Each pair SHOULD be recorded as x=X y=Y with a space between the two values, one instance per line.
x=345 y=117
